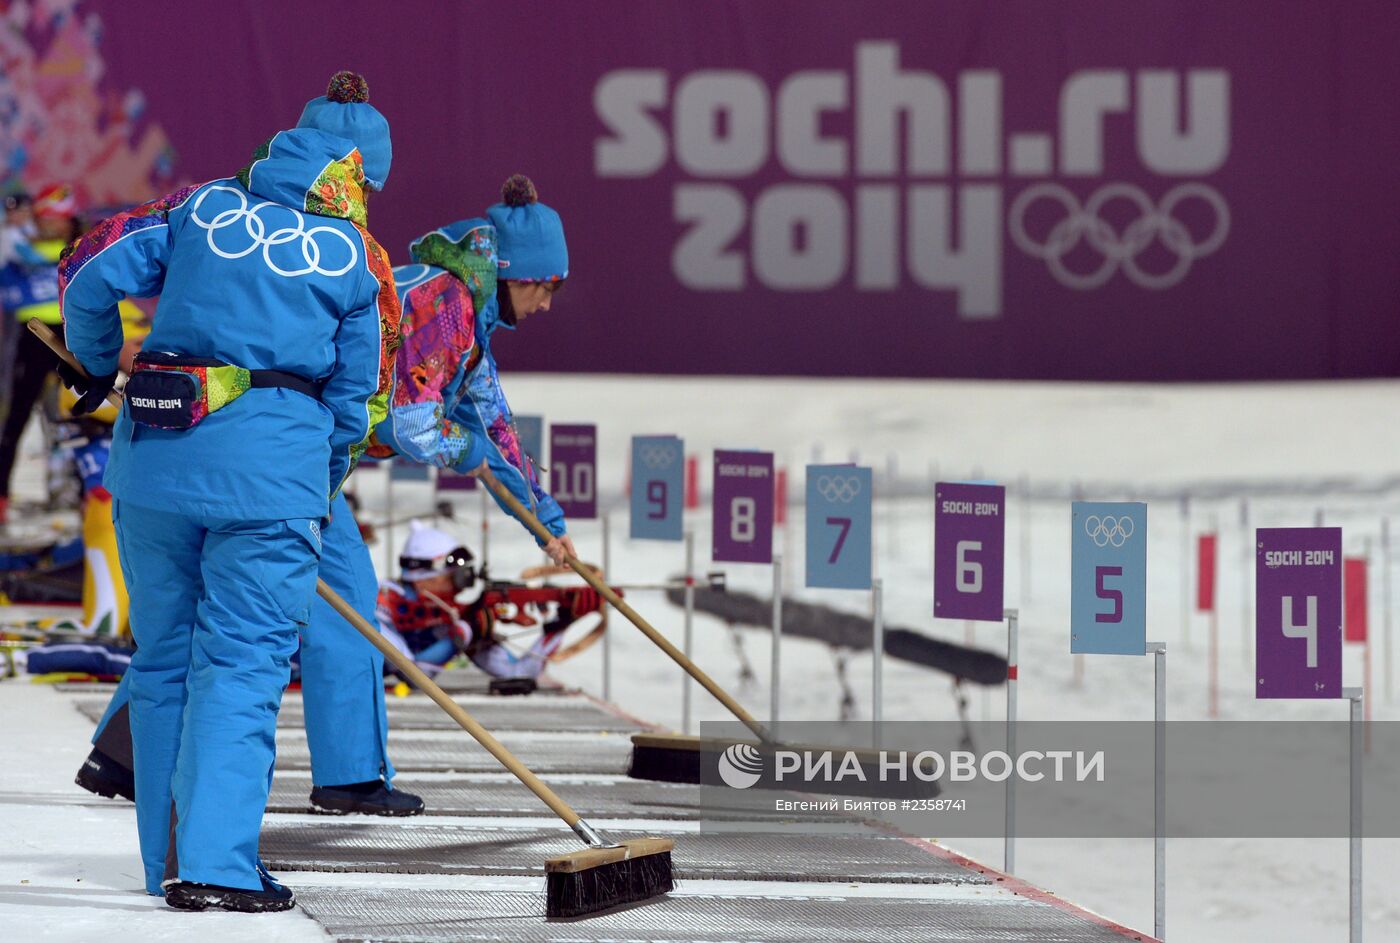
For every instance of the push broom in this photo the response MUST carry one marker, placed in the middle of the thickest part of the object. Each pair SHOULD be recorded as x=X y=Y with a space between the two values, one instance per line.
x=603 y=875
x=678 y=758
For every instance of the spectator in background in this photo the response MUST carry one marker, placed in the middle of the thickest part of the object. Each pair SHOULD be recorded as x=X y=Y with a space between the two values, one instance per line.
x=31 y=291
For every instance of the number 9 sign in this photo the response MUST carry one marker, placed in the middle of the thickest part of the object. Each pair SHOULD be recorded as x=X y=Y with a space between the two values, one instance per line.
x=1108 y=578
x=838 y=526
x=969 y=539
x=743 y=497
x=658 y=463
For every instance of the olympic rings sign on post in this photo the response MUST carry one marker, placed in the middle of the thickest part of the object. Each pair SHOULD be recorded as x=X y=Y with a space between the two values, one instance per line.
x=1119 y=250
x=1108 y=529
x=257 y=231
x=840 y=488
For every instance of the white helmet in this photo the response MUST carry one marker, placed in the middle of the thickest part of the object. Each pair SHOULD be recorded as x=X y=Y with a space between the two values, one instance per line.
x=429 y=552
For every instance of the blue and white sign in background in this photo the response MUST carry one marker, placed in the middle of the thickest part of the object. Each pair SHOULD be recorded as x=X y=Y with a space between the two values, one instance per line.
x=1108 y=578
x=838 y=526
x=530 y=429
x=658 y=487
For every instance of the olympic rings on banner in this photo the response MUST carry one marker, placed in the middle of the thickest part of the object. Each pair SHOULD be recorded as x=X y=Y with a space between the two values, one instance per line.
x=655 y=455
x=838 y=488
x=256 y=229
x=1119 y=250
x=1108 y=530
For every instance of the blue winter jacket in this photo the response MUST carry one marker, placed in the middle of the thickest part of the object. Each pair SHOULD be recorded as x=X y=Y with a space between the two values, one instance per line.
x=447 y=407
x=270 y=269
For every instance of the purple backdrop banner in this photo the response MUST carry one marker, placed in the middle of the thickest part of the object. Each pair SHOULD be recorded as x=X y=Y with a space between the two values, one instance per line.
x=969 y=551
x=1166 y=189
x=1298 y=612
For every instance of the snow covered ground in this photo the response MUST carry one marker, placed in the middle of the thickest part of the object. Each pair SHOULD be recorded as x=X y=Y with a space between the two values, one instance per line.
x=1292 y=452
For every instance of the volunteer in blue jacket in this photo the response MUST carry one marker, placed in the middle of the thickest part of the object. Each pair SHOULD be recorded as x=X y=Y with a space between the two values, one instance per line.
x=266 y=370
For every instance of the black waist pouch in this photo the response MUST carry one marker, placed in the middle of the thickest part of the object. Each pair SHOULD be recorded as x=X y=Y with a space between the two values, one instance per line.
x=165 y=399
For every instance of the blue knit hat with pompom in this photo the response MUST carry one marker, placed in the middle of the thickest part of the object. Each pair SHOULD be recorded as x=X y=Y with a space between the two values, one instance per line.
x=529 y=235
x=345 y=111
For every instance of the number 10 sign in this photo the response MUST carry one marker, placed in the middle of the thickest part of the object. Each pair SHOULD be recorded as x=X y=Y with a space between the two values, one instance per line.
x=1298 y=612
x=743 y=518
x=1108 y=579
x=969 y=541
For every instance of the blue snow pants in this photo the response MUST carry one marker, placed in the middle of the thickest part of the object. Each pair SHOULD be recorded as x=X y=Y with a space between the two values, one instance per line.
x=216 y=608
x=341 y=674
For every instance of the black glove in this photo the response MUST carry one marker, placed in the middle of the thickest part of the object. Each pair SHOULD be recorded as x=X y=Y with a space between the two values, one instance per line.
x=94 y=390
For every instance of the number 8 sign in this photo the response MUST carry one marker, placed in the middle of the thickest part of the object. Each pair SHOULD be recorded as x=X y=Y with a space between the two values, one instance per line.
x=838 y=526
x=743 y=498
x=1298 y=612
x=1108 y=578
x=969 y=541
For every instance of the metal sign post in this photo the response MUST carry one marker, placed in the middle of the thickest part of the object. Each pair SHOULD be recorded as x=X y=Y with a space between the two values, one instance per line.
x=1354 y=695
x=1159 y=790
x=607 y=636
x=1012 y=632
x=877 y=646
x=689 y=637
x=776 y=681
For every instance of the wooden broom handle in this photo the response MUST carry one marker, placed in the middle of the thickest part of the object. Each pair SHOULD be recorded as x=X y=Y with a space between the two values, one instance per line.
x=42 y=331
x=397 y=658
x=470 y=724
x=616 y=601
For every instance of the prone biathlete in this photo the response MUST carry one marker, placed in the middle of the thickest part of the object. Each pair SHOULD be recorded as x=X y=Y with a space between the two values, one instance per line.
x=266 y=370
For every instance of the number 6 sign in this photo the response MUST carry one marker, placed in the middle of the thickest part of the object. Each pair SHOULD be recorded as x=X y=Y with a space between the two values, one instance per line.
x=838 y=526
x=969 y=539
x=743 y=518
x=1108 y=579
x=1298 y=612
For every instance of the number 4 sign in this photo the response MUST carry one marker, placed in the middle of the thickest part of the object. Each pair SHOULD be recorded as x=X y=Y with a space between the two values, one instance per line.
x=1298 y=612
x=969 y=540
x=573 y=454
x=743 y=498
x=1108 y=579
x=838 y=526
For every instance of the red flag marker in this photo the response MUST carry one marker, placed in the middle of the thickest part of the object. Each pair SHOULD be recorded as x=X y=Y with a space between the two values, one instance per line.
x=1354 y=598
x=1205 y=573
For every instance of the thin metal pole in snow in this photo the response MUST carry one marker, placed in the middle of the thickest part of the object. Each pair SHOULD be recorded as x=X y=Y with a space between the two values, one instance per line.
x=1354 y=908
x=1159 y=790
x=485 y=529
x=877 y=646
x=1186 y=570
x=689 y=624
x=1246 y=565
x=607 y=636
x=1386 y=611
x=1012 y=617
x=1025 y=539
x=389 y=568
x=777 y=641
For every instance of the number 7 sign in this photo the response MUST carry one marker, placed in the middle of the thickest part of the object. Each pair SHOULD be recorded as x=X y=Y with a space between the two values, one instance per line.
x=969 y=546
x=1298 y=612
x=838 y=526
x=1108 y=578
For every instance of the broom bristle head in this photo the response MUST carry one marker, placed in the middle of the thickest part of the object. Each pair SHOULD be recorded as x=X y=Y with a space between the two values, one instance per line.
x=587 y=882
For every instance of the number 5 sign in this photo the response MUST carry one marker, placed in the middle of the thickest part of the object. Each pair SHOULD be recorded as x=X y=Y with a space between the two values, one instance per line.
x=658 y=462
x=838 y=526
x=573 y=470
x=969 y=539
x=743 y=518
x=1108 y=579
x=1298 y=612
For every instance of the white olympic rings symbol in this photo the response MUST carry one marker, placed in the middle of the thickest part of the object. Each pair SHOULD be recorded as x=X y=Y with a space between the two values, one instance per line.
x=658 y=456
x=1118 y=249
x=257 y=231
x=838 y=488
x=1108 y=530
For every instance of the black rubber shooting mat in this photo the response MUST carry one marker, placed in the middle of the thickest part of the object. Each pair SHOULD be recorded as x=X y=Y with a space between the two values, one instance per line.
x=424 y=751
x=341 y=845
x=430 y=915
x=545 y=714
x=621 y=798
